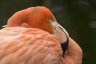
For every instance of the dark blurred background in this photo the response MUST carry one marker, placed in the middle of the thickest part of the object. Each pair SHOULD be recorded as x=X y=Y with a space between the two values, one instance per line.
x=77 y=16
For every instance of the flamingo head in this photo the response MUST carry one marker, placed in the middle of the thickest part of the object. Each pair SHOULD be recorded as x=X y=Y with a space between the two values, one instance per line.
x=39 y=17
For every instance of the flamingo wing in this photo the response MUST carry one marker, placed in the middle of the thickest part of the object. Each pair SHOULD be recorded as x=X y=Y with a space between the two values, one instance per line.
x=19 y=45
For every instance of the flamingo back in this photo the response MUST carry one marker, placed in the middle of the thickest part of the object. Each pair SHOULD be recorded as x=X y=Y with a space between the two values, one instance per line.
x=19 y=45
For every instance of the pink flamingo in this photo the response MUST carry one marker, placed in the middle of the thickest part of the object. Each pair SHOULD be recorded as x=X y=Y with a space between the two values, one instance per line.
x=33 y=36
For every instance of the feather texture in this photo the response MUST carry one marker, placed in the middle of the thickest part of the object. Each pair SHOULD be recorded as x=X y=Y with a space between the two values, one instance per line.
x=19 y=45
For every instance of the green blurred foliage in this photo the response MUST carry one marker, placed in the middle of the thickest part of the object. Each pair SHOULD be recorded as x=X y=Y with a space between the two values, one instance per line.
x=77 y=16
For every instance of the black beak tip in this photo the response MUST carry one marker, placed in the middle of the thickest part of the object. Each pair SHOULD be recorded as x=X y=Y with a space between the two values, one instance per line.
x=65 y=46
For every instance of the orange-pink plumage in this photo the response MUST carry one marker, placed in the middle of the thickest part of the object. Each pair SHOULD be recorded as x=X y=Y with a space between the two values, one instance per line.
x=32 y=36
x=29 y=46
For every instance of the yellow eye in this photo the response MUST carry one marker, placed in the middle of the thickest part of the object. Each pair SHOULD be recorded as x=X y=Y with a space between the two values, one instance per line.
x=53 y=23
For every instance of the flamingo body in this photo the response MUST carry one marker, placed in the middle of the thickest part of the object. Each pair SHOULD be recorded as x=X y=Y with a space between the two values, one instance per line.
x=33 y=36
x=29 y=46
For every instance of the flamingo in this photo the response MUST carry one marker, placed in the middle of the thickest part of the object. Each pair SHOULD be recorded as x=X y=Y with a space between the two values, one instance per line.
x=33 y=36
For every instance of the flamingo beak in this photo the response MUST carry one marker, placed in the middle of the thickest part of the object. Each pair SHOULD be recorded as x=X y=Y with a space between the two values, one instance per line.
x=61 y=34
x=59 y=31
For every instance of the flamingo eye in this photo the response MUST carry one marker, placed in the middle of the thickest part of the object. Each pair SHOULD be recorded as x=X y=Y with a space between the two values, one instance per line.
x=53 y=23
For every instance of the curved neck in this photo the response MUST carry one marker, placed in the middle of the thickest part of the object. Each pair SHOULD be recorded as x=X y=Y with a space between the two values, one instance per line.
x=37 y=20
